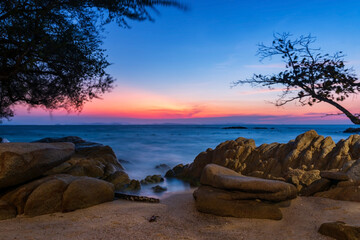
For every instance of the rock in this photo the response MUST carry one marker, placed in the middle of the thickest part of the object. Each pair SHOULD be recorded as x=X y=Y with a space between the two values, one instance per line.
x=236 y=127
x=136 y=198
x=340 y=231
x=211 y=201
x=3 y=140
x=299 y=161
x=317 y=186
x=176 y=171
x=301 y=178
x=58 y=193
x=21 y=162
x=352 y=130
x=6 y=211
x=354 y=171
x=120 y=179
x=224 y=178
x=72 y=139
x=85 y=192
x=134 y=185
x=346 y=190
x=152 y=179
x=334 y=175
x=159 y=188
x=96 y=161
x=162 y=166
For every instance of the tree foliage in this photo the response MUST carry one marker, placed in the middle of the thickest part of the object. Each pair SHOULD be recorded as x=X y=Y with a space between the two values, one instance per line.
x=310 y=76
x=50 y=50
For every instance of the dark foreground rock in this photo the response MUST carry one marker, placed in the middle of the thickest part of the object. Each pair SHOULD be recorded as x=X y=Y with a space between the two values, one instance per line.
x=225 y=192
x=152 y=179
x=159 y=189
x=340 y=231
x=58 y=193
x=21 y=162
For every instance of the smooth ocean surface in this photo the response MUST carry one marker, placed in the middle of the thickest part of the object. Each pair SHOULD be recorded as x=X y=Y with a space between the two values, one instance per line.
x=145 y=146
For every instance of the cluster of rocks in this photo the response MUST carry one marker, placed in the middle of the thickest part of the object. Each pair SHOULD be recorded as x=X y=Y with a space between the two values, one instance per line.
x=314 y=164
x=225 y=192
x=62 y=174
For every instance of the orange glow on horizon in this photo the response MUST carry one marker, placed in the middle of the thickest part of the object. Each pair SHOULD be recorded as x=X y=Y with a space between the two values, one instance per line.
x=137 y=103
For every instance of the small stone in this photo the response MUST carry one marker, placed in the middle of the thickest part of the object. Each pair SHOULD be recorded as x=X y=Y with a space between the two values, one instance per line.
x=158 y=189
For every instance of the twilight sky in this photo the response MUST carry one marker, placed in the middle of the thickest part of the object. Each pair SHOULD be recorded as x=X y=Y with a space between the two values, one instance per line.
x=179 y=69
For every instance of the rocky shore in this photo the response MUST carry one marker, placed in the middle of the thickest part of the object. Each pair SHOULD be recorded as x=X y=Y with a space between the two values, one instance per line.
x=237 y=179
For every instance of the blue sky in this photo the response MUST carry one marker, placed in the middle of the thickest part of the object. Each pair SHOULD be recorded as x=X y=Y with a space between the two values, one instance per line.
x=182 y=65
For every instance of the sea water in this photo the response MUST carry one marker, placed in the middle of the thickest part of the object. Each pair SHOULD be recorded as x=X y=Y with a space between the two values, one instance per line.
x=142 y=147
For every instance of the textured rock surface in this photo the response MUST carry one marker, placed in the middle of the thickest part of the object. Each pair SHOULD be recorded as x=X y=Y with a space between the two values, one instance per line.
x=21 y=162
x=334 y=175
x=347 y=191
x=340 y=231
x=58 y=193
x=212 y=201
x=6 y=211
x=227 y=179
x=92 y=160
x=225 y=192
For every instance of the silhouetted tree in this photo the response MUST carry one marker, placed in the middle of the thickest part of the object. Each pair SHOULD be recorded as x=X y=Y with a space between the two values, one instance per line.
x=50 y=50
x=310 y=77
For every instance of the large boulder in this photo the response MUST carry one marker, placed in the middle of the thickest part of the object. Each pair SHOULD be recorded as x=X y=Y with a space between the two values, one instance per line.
x=21 y=162
x=225 y=192
x=214 y=201
x=92 y=160
x=223 y=178
x=58 y=193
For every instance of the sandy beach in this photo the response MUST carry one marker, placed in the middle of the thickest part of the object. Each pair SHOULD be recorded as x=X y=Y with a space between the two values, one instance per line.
x=178 y=219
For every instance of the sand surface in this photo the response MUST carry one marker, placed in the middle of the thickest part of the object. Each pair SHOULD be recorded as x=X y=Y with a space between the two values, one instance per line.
x=178 y=219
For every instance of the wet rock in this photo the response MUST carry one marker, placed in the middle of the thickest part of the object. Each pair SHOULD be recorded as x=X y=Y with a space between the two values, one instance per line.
x=352 y=130
x=134 y=185
x=120 y=179
x=162 y=166
x=176 y=171
x=3 y=140
x=340 y=231
x=159 y=189
x=136 y=198
x=152 y=179
x=21 y=162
